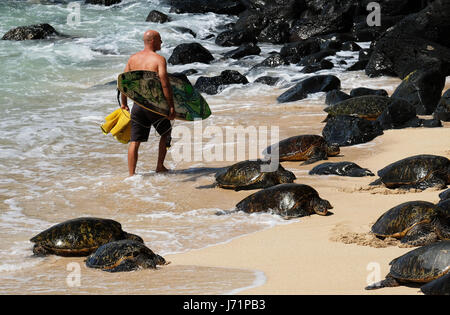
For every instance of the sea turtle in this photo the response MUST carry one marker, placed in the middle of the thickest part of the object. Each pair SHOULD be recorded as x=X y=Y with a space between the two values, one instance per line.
x=79 y=237
x=248 y=175
x=368 y=107
x=440 y=286
x=308 y=148
x=286 y=200
x=124 y=255
x=416 y=223
x=421 y=265
x=444 y=205
x=419 y=171
x=341 y=169
x=445 y=194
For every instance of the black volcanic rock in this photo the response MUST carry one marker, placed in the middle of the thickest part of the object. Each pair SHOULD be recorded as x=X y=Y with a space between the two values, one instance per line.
x=294 y=52
x=185 y=30
x=442 y=111
x=322 y=65
x=103 y=2
x=189 y=53
x=230 y=7
x=366 y=91
x=269 y=20
x=349 y=130
x=275 y=33
x=316 y=57
x=267 y=80
x=247 y=49
x=398 y=114
x=422 y=89
x=157 y=17
x=336 y=21
x=315 y=84
x=234 y=38
x=358 y=66
x=32 y=32
x=419 y=41
x=273 y=61
x=212 y=85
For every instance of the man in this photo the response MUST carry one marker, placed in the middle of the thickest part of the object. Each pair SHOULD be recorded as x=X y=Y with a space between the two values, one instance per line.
x=141 y=118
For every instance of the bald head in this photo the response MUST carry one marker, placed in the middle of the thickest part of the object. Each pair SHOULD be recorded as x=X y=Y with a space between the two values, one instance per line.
x=150 y=35
x=152 y=40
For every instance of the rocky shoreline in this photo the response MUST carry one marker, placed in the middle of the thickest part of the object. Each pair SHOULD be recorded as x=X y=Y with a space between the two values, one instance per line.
x=410 y=43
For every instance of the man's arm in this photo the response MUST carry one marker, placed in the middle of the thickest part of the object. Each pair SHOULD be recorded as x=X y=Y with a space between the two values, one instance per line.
x=167 y=88
x=124 y=103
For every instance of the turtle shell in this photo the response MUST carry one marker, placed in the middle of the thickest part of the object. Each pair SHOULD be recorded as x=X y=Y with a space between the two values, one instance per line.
x=248 y=173
x=124 y=255
x=299 y=148
x=286 y=200
x=367 y=107
x=397 y=221
x=414 y=170
x=79 y=237
x=423 y=264
x=440 y=286
x=445 y=195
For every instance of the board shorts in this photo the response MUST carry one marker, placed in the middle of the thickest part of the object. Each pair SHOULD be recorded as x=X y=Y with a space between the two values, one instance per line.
x=141 y=122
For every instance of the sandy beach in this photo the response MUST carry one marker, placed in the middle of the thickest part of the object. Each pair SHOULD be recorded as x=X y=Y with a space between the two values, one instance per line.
x=307 y=256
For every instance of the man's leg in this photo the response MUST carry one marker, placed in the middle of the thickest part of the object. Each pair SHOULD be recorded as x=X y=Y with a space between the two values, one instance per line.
x=162 y=153
x=133 y=149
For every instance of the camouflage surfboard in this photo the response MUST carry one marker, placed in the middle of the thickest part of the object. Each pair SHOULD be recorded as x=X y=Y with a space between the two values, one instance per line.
x=144 y=88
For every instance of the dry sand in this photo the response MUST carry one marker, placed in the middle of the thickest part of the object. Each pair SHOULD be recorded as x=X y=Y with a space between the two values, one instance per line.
x=312 y=255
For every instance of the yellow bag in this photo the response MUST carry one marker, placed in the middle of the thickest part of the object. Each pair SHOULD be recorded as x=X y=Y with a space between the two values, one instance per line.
x=118 y=124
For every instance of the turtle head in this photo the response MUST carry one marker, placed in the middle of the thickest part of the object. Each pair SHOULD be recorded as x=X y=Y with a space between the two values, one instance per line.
x=286 y=177
x=133 y=237
x=159 y=260
x=333 y=149
x=321 y=206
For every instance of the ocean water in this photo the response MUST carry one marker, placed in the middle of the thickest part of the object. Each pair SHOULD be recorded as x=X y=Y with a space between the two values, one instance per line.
x=55 y=163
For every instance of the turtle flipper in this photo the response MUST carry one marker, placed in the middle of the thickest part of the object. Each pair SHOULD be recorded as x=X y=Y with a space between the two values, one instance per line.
x=40 y=251
x=359 y=172
x=127 y=264
x=388 y=282
x=317 y=154
x=442 y=229
x=226 y=212
x=420 y=235
x=208 y=186
x=432 y=181
x=377 y=182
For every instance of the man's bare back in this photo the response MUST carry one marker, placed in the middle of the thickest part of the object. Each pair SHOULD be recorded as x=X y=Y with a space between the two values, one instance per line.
x=149 y=60
x=144 y=60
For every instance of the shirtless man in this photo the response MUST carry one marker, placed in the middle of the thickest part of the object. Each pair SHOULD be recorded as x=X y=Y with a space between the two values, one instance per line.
x=142 y=119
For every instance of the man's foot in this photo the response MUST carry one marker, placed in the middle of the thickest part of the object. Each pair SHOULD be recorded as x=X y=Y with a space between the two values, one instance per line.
x=161 y=169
